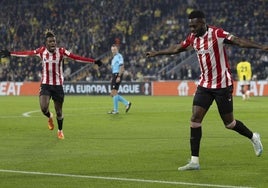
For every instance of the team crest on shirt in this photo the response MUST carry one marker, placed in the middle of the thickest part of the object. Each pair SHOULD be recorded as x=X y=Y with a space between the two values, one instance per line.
x=210 y=40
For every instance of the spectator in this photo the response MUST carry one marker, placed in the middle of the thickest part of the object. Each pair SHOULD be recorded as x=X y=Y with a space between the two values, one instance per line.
x=172 y=75
x=96 y=23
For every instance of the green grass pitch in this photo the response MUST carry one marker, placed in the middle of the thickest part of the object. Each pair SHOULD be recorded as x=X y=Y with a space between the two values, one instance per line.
x=143 y=148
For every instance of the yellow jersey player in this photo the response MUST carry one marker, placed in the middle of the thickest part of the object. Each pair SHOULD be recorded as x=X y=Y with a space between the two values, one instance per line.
x=244 y=74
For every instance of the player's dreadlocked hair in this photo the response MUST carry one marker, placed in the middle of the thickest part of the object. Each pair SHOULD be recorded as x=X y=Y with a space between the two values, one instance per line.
x=49 y=33
x=196 y=14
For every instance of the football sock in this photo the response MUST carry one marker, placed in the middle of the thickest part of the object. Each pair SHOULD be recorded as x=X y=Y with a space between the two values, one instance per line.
x=123 y=100
x=242 y=129
x=47 y=114
x=115 y=100
x=195 y=159
x=196 y=134
x=60 y=122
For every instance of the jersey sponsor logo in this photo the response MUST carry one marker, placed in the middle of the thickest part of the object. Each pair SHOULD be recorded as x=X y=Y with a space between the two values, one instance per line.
x=202 y=52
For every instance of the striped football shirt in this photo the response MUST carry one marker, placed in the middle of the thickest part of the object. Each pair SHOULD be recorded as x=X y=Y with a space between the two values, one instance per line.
x=212 y=57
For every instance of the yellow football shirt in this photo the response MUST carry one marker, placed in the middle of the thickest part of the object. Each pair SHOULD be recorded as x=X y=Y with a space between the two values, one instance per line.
x=244 y=72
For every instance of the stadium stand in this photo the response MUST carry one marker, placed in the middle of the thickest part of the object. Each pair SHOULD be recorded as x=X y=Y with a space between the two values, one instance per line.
x=89 y=27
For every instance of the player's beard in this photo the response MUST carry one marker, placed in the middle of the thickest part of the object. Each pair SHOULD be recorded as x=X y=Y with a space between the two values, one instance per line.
x=52 y=49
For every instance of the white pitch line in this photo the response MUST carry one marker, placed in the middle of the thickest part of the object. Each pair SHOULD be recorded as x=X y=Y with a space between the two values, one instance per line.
x=122 y=179
x=28 y=114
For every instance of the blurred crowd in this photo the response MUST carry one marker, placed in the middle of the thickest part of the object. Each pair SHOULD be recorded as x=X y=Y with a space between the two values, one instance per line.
x=90 y=27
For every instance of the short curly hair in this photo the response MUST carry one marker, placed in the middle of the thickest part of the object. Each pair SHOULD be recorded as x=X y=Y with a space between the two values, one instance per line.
x=196 y=14
x=49 y=33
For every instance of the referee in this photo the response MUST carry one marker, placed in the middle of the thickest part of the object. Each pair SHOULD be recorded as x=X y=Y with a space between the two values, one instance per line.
x=117 y=65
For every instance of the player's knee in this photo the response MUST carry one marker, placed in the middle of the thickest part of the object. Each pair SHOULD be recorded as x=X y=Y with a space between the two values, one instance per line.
x=44 y=110
x=195 y=119
x=231 y=125
x=195 y=124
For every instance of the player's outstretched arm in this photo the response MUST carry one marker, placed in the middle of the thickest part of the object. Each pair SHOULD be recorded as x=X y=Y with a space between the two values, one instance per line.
x=84 y=59
x=174 y=49
x=245 y=43
x=6 y=53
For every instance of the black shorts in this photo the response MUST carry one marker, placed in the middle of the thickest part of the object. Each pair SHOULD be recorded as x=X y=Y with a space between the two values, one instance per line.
x=223 y=97
x=55 y=92
x=115 y=85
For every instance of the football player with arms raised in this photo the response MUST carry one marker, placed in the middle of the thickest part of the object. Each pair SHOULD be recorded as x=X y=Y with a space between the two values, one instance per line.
x=215 y=81
x=52 y=75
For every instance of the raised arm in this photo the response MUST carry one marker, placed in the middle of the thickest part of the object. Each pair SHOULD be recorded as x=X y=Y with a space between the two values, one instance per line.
x=245 y=43
x=174 y=49
x=23 y=53
x=84 y=59
x=6 y=53
x=80 y=58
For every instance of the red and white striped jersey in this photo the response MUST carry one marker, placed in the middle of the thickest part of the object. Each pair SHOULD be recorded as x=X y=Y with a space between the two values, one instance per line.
x=212 y=57
x=52 y=63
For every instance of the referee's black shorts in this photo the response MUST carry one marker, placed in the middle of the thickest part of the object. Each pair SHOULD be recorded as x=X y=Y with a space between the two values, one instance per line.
x=54 y=91
x=115 y=85
x=223 y=97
